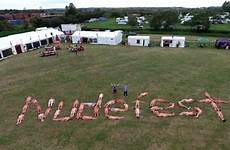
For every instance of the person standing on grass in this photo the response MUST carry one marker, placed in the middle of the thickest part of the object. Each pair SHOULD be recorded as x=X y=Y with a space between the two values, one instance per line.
x=114 y=88
x=125 y=90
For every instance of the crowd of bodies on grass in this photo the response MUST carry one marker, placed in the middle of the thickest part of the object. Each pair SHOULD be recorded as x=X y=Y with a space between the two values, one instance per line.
x=77 y=110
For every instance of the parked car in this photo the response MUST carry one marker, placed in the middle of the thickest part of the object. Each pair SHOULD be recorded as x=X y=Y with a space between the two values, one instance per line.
x=222 y=43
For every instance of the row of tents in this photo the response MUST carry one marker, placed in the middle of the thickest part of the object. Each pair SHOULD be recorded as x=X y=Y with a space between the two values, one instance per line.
x=19 y=43
x=115 y=38
x=24 y=42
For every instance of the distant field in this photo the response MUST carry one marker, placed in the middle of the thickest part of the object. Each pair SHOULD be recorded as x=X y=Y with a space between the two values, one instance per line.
x=172 y=74
x=111 y=24
x=220 y=27
x=108 y=24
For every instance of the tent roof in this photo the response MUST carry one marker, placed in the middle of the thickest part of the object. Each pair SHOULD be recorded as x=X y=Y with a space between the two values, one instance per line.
x=15 y=39
x=139 y=37
x=172 y=37
x=28 y=37
x=25 y=38
x=95 y=34
x=5 y=44
x=166 y=37
x=179 y=37
x=55 y=32
x=42 y=34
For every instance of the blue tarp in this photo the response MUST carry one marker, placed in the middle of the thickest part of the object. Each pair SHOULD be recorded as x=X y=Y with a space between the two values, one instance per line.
x=16 y=21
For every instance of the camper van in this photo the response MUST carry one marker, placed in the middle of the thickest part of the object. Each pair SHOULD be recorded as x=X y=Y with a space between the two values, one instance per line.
x=173 y=41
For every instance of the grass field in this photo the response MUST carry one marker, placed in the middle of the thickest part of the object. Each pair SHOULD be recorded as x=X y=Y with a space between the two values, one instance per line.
x=220 y=27
x=172 y=74
x=111 y=24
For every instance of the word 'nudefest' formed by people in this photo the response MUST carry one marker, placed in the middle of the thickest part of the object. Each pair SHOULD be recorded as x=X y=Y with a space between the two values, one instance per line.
x=155 y=106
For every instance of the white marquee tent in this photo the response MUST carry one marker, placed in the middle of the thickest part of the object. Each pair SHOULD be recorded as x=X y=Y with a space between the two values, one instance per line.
x=173 y=41
x=138 y=40
x=98 y=37
x=19 y=43
x=5 y=48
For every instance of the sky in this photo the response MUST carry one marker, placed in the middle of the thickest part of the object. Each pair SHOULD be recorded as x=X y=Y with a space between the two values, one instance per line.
x=36 y=4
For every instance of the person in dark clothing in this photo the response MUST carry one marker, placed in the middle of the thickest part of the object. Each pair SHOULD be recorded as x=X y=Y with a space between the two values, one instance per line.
x=114 y=88
x=125 y=90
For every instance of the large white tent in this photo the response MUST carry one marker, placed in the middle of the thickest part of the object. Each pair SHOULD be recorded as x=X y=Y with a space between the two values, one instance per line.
x=173 y=41
x=98 y=37
x=5 y=48
x=19 y=43
x=138 y=40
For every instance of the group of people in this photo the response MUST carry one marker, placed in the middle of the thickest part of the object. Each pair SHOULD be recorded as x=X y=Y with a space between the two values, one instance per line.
x=43 y=115
x=160 y=111
x=159 y=107
x=195 y=111
x=77 y=110
x=137 y=106
x=50 y=50
x=108 y=108
x=115 y=86
x=33 y=101
x=25 y=108
x=163 y=112
x=215 y=104
x=76 y=48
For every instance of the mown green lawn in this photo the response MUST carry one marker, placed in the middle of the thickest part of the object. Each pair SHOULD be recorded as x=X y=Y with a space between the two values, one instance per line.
x=172 y=74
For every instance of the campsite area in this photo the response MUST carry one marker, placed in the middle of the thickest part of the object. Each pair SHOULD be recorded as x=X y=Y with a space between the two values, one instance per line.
x=169 y=73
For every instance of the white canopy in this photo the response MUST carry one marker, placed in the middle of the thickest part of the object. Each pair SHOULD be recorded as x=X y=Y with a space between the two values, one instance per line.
x=28 y=37
x=138 y=40
x=166 y=37
x=55 y=32
x=102 y=37
x=173 y=41
x=70 y=27
x=5 y=43
x=24 y=38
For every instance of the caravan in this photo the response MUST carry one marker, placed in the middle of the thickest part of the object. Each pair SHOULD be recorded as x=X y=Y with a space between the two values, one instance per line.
x=173 y=41
x=138 y=40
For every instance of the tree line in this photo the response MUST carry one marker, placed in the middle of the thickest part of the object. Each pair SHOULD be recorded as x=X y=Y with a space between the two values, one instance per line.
x=159 y=18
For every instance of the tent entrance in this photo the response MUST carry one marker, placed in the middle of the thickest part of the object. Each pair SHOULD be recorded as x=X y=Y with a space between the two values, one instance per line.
x=50 y=40
x=166 y=43
x=84 y=40
x=18 y=49
x=143 y=42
